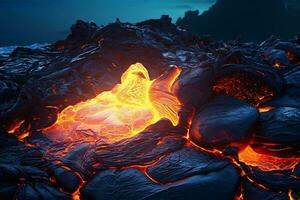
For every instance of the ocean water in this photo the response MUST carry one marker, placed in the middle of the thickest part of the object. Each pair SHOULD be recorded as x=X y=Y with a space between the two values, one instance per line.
x=6 y=51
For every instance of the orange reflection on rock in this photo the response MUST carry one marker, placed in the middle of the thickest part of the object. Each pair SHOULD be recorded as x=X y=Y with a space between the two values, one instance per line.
x=122 y=112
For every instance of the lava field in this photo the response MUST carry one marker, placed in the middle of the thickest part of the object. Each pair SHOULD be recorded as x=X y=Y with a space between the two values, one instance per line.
x=150 y=111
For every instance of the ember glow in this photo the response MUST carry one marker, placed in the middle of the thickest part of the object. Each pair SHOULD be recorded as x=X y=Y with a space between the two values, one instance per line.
x=123 y=112
x=245 y=88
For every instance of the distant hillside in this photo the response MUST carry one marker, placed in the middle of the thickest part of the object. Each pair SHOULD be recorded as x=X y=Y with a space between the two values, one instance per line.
x=250 y=19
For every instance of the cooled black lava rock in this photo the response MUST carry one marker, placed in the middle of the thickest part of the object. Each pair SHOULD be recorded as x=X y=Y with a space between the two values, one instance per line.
x=292 y=50
x=279 y=132
x=233 y=57
x=185 y=163
x=290 y=97
x=276 y=57
x=27 y=192
x=47 y=191
x=155 y=141
x=297 y=170
x=39 y=191
x=274 y=180
x=7 y=190
x=223 y=122
x=133 y=184
x=27 y=182
x=8 y=92
x=68 y=180
x=194 y=87
x=293 y=77
x=252 y=192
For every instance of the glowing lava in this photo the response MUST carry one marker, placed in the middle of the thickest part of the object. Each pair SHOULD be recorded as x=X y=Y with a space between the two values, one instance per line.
x=123 y=112
x=267 y=162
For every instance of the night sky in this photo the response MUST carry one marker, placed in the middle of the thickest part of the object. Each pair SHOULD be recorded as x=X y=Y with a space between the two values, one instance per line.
x=38 y=21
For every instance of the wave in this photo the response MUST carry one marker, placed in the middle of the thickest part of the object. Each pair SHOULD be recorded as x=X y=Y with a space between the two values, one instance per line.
x=6 y=51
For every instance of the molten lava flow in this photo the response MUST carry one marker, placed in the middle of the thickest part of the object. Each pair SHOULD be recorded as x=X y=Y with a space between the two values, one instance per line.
x=266 y=162
x=122 y=112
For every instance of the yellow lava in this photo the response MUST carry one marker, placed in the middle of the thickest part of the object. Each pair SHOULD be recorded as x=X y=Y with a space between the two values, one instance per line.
x=121 y=113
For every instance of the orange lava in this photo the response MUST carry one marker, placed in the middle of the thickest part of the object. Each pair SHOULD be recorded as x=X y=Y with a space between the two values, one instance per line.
x=266 y=162
x=265 y=109
x=290 y=195
x=277 y=65
x=123 y=112
x=15 y=127
x=18 y=131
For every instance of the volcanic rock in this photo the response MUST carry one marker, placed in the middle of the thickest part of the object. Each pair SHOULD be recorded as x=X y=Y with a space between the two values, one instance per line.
x=297 y=170
x=27 y=182
x=290 y=97
x=276 y=57
x=251 y=192
x=79 y=72
x=252 y=83
x=292 y=50
x=162 y=161
x=27 y=192
x=67 y=179
x=133 y=184
x=7 y=190
x=279 y=132
x=47 y=191
x=185 y=163
x=155 y=141
x=275 y=180
x=194 y=87
x=293 y=77
x=225 y=121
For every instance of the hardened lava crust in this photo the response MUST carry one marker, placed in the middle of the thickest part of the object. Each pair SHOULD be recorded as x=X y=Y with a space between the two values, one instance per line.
x=150 y=111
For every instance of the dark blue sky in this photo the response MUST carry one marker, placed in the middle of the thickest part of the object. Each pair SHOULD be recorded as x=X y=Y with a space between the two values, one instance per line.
x=29 y=21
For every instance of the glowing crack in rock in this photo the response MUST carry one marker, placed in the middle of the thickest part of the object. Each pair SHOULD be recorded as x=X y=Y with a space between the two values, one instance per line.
x=123 y=112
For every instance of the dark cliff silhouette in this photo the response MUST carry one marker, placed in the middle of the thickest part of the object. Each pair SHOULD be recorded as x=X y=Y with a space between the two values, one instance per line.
x=250 y=19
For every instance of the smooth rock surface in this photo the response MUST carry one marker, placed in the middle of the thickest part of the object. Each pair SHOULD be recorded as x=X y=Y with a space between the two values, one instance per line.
x=194 y=87
x=223 y=122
